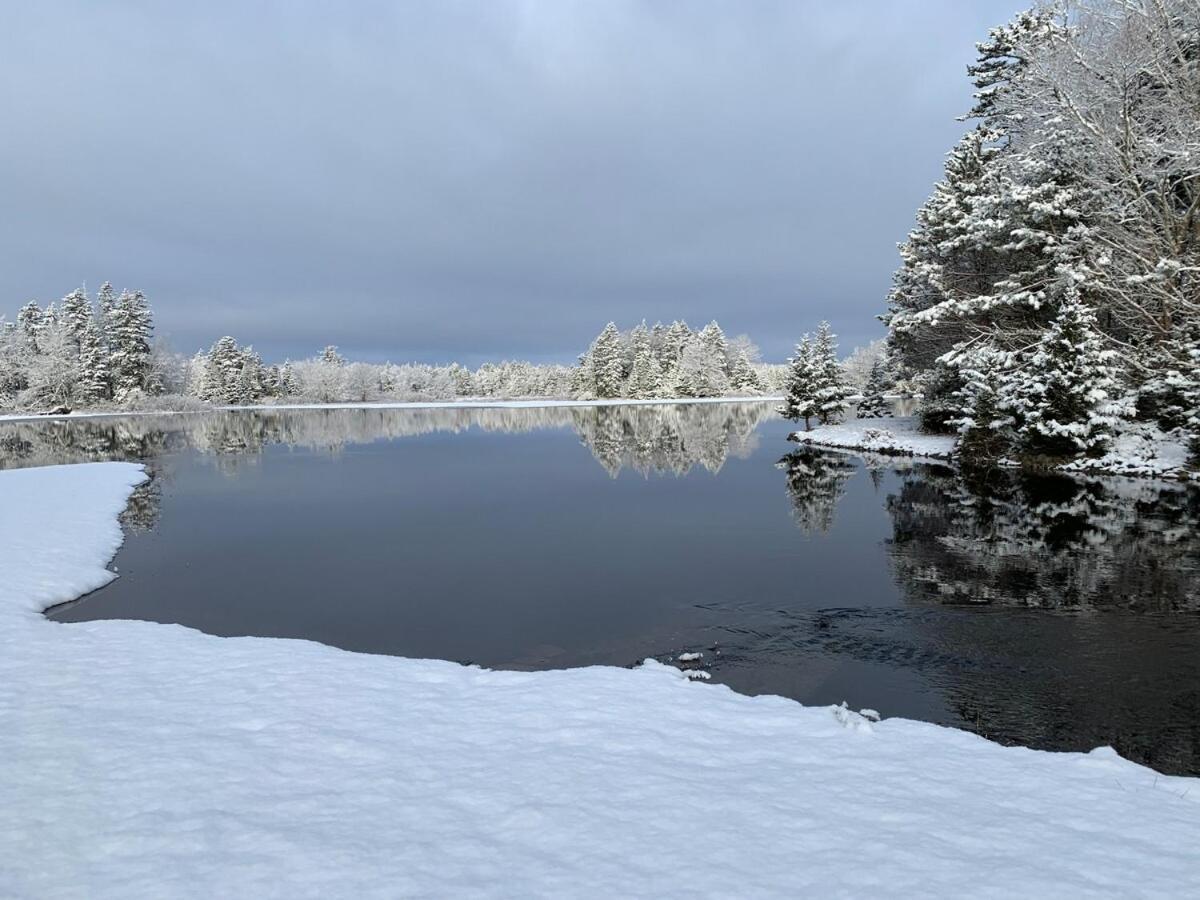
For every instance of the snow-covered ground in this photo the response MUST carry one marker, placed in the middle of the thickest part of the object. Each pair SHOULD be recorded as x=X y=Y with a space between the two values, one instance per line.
x=899 y=436
x=423 y=404
x=142 y=760
x=1139 y=450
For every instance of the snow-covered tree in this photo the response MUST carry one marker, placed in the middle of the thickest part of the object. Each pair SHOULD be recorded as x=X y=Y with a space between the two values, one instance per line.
x=129 y=330
x=984 y=427
x=803 y=383
x=873 y=404
x=645 y=377
x=605 y=357
x=94 y=378
x=831 y=390
x=1064 y=395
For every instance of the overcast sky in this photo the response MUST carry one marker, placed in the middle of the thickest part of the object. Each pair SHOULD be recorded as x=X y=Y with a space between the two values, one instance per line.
x=468 y=180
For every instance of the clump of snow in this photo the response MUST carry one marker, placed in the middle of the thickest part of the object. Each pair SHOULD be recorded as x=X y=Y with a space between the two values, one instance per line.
x=690 y=657
x=1140 y=449
x=888 y=436
x=143 y=760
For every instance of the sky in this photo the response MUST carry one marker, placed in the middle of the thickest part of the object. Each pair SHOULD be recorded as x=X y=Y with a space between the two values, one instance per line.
x=491 y=179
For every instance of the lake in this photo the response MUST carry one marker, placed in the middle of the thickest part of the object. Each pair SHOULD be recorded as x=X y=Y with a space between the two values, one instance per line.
x=1051 y=612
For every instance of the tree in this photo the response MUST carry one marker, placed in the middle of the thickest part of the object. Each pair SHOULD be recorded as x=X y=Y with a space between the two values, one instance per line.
x=1064 y=401
x=76 y=315
x=645 y=377
x=742 y=376
x=130 y=326
x=605 y=356
x=93 y=364
x=831 y=391
x=873 y=404
x=801 y=400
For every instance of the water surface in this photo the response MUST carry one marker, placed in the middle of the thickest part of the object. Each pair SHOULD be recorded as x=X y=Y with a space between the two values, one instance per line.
x=1057 y=613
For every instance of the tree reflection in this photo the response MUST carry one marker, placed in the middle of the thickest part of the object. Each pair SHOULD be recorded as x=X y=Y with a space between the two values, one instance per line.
x=659 y=439
x=816 y=481
x=1046 y=541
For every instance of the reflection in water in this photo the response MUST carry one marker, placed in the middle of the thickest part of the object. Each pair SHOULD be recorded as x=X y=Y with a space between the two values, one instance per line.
x=1081 y=595
x=660 y=439
x=816 y=481
x=1046 y=541
x=1055 y=612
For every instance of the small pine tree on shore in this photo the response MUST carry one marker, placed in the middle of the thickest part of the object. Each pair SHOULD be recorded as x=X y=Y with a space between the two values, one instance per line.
x=832 y=392
x=801 y=400
x=1063 y=395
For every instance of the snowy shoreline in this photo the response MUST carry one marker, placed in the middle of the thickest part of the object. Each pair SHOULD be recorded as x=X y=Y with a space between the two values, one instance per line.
x=415 y=404
x=153 y=760
x=1138 y=452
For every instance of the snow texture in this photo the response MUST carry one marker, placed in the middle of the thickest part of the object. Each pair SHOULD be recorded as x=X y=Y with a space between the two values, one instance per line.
x=898 y=436
x=145 y=760
x=1138 y=449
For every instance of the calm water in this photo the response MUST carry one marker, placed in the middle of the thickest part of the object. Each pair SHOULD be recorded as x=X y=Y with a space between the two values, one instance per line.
x=1056 y=613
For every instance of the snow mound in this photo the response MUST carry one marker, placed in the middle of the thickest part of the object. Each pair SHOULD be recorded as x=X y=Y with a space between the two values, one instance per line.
x=143 y=760
x=888 y=436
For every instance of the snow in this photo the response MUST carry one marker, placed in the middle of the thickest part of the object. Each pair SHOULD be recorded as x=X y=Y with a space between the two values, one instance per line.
x=144 y=760
x=896 y=435
x=432 y=404
x=1139 y=449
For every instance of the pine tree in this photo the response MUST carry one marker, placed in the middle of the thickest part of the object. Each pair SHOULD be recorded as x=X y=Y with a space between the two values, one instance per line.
x=289 y=384
x=1063 y=396
x=873 y=404
x=803 y=375
x=742 y=376
x=93 y=364
x=606 y=363
x=983 y=426
x=832 y=391
x=129 y=334
x=331 y=357
x=645 y=379
x=701 y=370
x=76 y=315
x=31 y=320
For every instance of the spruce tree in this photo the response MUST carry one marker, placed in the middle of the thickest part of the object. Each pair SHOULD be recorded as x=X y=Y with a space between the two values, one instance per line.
x=803 y=374
x=645 y=378
x=93 y=364
x=606 y=363
x=1063 y=393
x=832 y=390
x=130 y=329
x=873 y=405
x=76 y=315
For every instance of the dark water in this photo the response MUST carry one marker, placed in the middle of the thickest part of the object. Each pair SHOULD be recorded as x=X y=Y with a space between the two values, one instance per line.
x=1052 y=612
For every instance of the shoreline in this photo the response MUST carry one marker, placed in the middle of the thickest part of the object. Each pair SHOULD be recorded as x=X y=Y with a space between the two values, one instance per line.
x=1137 y=452
x=468 y=403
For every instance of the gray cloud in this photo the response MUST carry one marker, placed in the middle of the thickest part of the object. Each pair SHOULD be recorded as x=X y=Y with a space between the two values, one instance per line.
x=467 y=180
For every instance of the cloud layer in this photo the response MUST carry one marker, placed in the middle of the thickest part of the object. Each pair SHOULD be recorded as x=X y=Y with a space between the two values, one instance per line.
x=438 y=180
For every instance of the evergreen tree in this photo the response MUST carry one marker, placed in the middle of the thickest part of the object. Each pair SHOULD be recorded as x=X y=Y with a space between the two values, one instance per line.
x=742 y=376
x=331 y=357
x=803 y=376
x=873 y=405
x=701 y=370
x=76 y=315
x=984 y=427
x=93 y=364
x=645 y=379
x=289 y=384
x=1063 y=395
x=31 y=320
x=129 y=334
x=831 y=390
x=606 y=359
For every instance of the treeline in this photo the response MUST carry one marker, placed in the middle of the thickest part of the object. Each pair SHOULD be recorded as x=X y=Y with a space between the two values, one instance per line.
x=1049 y=295
x=80 y=355
x=77 y=354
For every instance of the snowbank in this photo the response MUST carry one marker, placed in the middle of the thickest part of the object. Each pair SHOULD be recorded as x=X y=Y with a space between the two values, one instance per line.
x=422 y=404
x=1139 y=450
x=143 y=760
x=896 y=436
